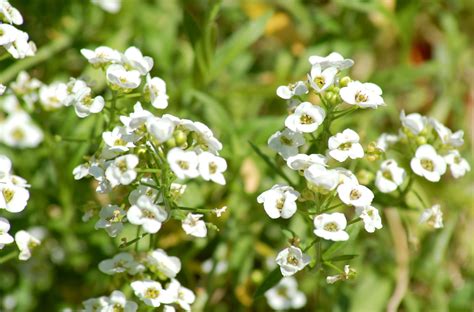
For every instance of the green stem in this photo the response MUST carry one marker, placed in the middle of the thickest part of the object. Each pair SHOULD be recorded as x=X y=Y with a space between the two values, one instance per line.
x=9 y=256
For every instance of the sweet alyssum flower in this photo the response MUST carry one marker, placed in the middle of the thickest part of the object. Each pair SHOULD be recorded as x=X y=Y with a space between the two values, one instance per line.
x=151 y=293
x=194 y=226
x=155 y=89
x=287 y=92
x=123 y=79
x=5 y=238
x=18 y=130
x=219 y=211
x=445 y=134
x=121 y=262
x=102 y=56
x=13 y=197
x=118 y=302
x=147 y=214
x=285 y=295
x=111 y=217
x=363 y=95
x=458 y=165
x=158 y=260
x=414 y=123
x=433 y=217
x=134 y=59
x=122 y=170
x=321 y=178
x=161 y=129
x=183 y=296
x=334 y=59
x=428 y=164
x=211 y=167
x=331 y=226
x=286 y=142
x=345 y=145
x=321 y=79
x=9 y=13
x=26 y=244
x=303 y=161
x=53 y=96
x=292 y=260
x=347 y=274
x=279 y=201
x=306 y=118
x=390 y=176
x=110 y=6
x=355 y=194
x=183 y=163
x=118 y=140
x=371 y=218
x=385 y=140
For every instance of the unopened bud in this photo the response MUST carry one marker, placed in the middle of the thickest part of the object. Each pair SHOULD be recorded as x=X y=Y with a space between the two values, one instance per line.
x=344 y=81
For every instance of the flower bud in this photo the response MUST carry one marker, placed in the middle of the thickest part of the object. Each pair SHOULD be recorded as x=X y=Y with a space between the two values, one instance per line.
x=420 y=140
x=365 y=177
x=171 y=143
x=180 y=137
x=344 y=81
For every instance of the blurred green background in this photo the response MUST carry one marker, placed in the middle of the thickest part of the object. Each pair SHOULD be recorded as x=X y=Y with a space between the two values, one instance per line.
x=222 y=62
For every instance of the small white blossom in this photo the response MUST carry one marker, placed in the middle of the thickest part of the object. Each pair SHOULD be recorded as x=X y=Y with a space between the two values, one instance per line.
x=53 y=96
x=10 y=14
x=390 y=176
x=211 y=167
x=101 y=56
x=13 y=197
x=219 y=211
x=321 y=177
x=146 y=214
x=134 y=59
x=118 y=140
x=415 y=123
x=287 y=92
x=183 y=296
x=428 y=164
x=385 y=140
x=26 y=243
x=122 y=170
x=445 y=134
x=363 y=95
x=303 y=161
x=306 y=118
x=433 y=217
x=458 y=165
x=5 y=238
x=160 y=129
x=321 y=79
x=371 y=218
x=160 y=261
x=332 y=60
x=120 y=78
x=118 y=302
x=279 y=201
x=292 y=260
x=110 y=6
x=286 y=142
x=355 y=194
x=111 y=217
x=18 y=130
x=194 y=226
x=285 y=295
x=121 y=262
x=151 y=293
x=347 y=274
x=345 y=145
x=331 y=226
x=183 y=163
x=155 y=88
x=96 y=304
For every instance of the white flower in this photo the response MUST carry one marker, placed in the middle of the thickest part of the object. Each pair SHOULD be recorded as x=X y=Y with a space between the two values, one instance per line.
x=332 y=60
x=147 y=214
x=122 y=170
x=321 y=79
x=292 y=260
x=120 y=78
x=96 y=304
x=321 y=177
x=204 y=136
x=7 y=34
x=137 y=119
x=151 y=293
x=183 y=296
x=344 y=145
x=194 y=226
x=348 y=274
x=219 y=211
x=303 y=161
x=110 y=6
x=118 y=140
x=87 y=105
x=118 y=302
x=371 y=218
x=5 y=238
x=331 y=226
x=346 y=176
x=183 y=163
x=285 y=295
x=10 y=14
x=385 y=140
x=390 y=176
x=160 y=261
x=26 y=243
x=286 y=143
x=111 y=217
x=433 y=217
x=287 y=92
x=13 y=197
x=355 y=194
x=121 y=262
x=364 y=95
x=445 y=134
x=155 y=88
x=306 y=118
x=20 y=47
x=428 y=164
x=18 y=130
x=3 y=88
x=102 y=56
x=53 y=96
x=415 y=123
x=160 y=129
x=211 y=167
x=150 y=192
x=279 y=201
x=27 y=87
x=458 y=165
x=134 y=59
x=5 y=168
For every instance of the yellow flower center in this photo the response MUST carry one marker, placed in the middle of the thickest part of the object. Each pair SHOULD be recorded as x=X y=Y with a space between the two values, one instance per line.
x=8 y=195
x=427 y=164
x=331 y=227
x=361 y=97
x=152 y=293
x=306 y=119
x=355 y=194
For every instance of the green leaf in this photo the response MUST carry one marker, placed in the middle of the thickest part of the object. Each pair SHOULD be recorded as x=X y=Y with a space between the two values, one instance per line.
x=270 y=280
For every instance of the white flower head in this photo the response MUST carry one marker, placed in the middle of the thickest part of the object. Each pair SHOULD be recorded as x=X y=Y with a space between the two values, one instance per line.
x=122 y=170
x=96 y=304
x=458 y=165
x=155 y=88
x=355 y=194
x=321 y=177
x=120 y=78
x=151 y=293
x=279 y=201
x=445 y=134
x=150 y=190
x=183 y=163
x=331 y=226
x=303 y=161
x=53 y=96
x=194 y=226
x=110 y=6
x=118 y=302
x=10 y=14
x=5 y=168
x=13 y=197
x=211 y=167
x=433 y=217
x=26 y=244
x=18 y=130
x=219 y=211
x=285 y=295
x=5 y=238
x=147 y=214
x=363 y=95
x=118 y=140
x=120 y=263
x=306 y=118
x=286 y=142
x=161 y=129
x=292 y=260
x=287 y=92
x=102 y=55
x=160 y=261
x=321 y=79
x=334 y=59
x=385 y=140
x=371 y=218
x=390 y=176
x=345 y=145
x=415 y=123
x=347 y=274
x=134 y=59
x=183 y=296
x=428 y=164
x=111 y=217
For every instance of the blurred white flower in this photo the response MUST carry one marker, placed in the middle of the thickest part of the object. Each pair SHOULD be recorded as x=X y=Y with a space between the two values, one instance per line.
x=18 y=130
x=345 y=145
x=5 y=238
x=194 y=226
x=279 y=201
x=458 y=165
x=303 y=161
x=13 y=197
x=53 y=96
x=183 y=296
x=428 y=164
x=102 y=56
x=121 y=262
x=292 y=260
x=287 y=92
x=118 y=302
x=151 y=293
x=26 y=244
x=118 y=140
x=445 y=134
x=433 y=217
x=415 y=123
x=134 y=59
x=155 y=88
x=96 y=304
x=10 y=14
x=146 y=214
x=385 y=140
x=110 y=6
x=334 y=59
x=371 y=218
x=331 y=226
x=285 y=295
x=111 y=217
x=321 y=177
x=390 y=176
x=306 y=118
x=363 y=95
x=286 y=142
x=159 y=260
x=347 y=274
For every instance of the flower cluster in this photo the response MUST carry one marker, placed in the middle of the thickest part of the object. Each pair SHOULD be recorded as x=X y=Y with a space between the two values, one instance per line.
x=151 y=155
x=13 y=40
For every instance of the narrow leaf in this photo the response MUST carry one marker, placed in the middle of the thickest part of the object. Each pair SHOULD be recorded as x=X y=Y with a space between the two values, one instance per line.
x=270 y=280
